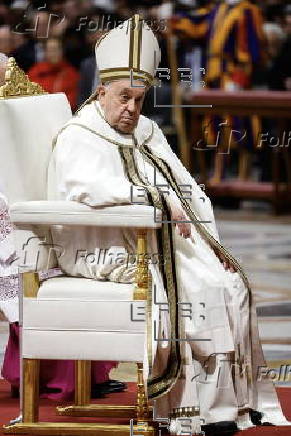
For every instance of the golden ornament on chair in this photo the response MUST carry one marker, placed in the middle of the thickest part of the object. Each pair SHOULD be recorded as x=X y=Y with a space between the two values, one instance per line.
x=17 y=83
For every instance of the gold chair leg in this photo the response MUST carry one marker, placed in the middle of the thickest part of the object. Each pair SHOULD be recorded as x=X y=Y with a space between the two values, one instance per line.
x=82 y=382
x=142 y=407
x=141 y=412
x=142 y=270
x=30 y=390
x=30 y=424
x=144 y=415
x=78 y=429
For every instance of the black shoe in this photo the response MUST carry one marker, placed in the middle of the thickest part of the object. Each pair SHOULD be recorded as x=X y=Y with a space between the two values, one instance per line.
x=115 y=384
x=108 y=387
x=95 y=393
x=221 y=428
x=256 y=418
x=15 y=392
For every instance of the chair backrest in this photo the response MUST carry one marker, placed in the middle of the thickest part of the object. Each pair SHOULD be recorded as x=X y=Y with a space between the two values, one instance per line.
x=28 y=126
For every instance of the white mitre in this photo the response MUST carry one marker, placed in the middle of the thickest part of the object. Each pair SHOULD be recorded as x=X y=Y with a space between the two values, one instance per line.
x=129 y=50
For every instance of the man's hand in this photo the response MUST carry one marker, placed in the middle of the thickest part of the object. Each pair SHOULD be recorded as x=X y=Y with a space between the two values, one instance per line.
x=226 y=263
x=184 y=228
x=185 y=231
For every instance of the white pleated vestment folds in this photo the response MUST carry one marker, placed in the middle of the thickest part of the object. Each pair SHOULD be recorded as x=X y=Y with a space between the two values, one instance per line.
x=86 y=166
x=8 y=272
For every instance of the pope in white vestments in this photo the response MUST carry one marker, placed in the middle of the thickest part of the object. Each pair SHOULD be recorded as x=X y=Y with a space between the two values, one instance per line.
x=204 y=365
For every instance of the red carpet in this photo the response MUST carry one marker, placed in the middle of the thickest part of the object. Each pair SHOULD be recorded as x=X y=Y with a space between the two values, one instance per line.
x=9 y=409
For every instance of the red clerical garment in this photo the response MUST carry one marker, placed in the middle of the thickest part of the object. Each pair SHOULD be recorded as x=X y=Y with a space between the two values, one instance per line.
x=60 y=77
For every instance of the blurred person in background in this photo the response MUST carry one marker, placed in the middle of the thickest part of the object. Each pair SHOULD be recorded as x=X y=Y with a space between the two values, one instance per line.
x=280 y=73
x=275 y=37
x=274 y=29
x=3 y=65
x=4 y=10
x=157 y=16
x=233 y=47
x=33 y=28
x=37 y=25
x=55 y=74
x=287 y=20
x=96 y=27
x=6 y=40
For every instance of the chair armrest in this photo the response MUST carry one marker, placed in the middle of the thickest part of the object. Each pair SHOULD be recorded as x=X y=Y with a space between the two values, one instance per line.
x=75 y=214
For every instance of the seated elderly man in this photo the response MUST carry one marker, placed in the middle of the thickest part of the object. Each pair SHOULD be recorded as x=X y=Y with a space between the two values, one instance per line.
x=204 y=367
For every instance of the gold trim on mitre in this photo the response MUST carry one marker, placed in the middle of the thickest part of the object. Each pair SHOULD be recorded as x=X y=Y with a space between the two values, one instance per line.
x=136 y=24
x=125 y=73
x=17 y=83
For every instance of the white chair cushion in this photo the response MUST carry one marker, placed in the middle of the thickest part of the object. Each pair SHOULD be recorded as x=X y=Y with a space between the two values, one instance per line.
x=69 y=303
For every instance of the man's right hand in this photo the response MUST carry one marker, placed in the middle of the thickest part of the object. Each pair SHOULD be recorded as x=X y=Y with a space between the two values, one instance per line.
x=225 y=262
x=185 y=231
x=184 y=228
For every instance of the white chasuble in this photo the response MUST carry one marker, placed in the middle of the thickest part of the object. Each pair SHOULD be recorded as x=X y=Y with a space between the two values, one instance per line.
x=219 y=343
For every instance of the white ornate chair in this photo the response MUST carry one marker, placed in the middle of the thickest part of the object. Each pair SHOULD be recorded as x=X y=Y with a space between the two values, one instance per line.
x=69 y=317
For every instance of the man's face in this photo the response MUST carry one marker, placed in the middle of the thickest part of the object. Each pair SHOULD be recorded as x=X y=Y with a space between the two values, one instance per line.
x=2 y=73
x=53 y=51
x=122 y=104
x=3 y=67
x=288 y=24
x=6 y=42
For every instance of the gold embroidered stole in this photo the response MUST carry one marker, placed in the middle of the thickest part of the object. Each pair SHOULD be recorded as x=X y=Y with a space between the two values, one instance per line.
x=160 y=385
x=166 y=171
